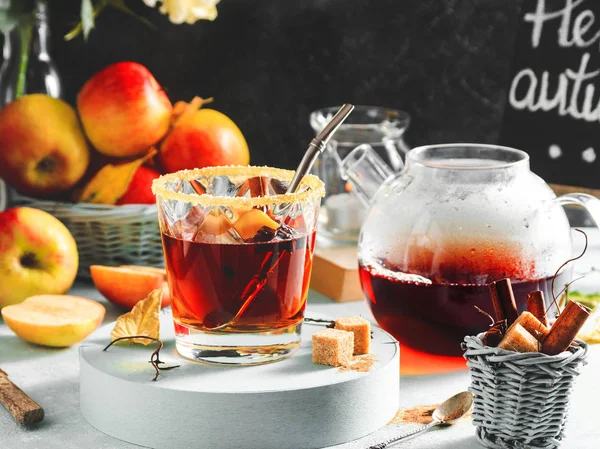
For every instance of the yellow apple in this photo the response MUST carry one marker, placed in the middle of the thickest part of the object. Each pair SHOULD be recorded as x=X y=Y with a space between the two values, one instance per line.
x=43 y=151
x=38 y=255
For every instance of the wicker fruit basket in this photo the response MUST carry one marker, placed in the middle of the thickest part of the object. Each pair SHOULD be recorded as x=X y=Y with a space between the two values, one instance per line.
x=521 y=399
x=106 y=235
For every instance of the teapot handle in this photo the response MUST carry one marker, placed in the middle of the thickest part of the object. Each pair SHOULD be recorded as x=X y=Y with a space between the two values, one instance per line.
x=3 y=196
x=364 y=169
x=588 y=202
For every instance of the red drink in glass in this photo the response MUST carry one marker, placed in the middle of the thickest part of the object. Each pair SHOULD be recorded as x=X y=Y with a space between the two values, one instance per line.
x=207 y=282
x=238 y=253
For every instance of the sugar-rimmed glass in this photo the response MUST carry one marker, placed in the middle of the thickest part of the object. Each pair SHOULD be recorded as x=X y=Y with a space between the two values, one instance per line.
x=238 y=252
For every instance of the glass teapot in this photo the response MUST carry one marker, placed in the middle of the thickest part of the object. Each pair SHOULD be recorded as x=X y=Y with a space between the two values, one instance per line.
x=454 y=219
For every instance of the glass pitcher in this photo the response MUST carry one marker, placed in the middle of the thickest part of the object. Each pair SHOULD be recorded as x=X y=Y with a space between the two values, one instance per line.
x=383 y=129
x=454 y=219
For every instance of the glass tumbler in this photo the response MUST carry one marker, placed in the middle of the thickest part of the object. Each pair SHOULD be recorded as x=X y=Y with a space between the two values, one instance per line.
x=238 y=253
x=383 y=129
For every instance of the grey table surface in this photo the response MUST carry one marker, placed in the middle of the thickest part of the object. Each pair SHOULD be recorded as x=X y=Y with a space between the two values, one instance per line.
x=50 y=377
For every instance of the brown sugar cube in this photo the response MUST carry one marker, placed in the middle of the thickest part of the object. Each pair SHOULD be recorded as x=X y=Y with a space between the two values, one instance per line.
x=532 y=325
x=332 y=347
x=361 y=329
x=518 y=339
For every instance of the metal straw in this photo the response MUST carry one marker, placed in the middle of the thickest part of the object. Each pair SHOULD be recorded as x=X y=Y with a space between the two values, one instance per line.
x=315 y=148
x=317 y=145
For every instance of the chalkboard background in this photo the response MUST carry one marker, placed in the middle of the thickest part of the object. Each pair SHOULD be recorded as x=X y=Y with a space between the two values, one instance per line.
x=268 y=63
x=553 y=128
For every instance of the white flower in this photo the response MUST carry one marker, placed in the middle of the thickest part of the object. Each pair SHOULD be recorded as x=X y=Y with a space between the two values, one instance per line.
x=188 y=11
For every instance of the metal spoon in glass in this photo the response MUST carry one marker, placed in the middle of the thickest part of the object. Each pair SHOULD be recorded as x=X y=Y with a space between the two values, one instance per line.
x=448 y=412
x=221 y=319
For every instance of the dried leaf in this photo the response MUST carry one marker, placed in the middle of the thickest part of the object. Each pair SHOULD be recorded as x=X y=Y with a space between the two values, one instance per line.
x=142 y=320
x=495 y=334
x=112 y=181
x=182 y=109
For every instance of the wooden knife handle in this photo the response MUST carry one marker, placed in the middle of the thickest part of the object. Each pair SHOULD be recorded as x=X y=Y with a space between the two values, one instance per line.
x=24 y=409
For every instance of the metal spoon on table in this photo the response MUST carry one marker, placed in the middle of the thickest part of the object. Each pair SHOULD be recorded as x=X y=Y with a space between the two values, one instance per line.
x=448 y=412
x=221 y=319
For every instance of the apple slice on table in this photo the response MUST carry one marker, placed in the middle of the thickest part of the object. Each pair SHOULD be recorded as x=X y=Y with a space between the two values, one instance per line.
x=166 y=298
x=126 y=285
x=54 y=320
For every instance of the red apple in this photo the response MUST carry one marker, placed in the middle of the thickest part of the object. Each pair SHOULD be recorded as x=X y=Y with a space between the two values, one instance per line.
x=140 y=187
x=38 y=255
x=124 y=110
x=203 y=138
x=42 y=147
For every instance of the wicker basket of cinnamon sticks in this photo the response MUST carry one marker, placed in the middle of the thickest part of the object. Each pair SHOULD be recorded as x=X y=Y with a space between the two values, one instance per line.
x=522 y=371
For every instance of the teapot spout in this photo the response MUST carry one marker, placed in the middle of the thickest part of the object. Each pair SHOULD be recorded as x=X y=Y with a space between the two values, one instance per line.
x=365 y=171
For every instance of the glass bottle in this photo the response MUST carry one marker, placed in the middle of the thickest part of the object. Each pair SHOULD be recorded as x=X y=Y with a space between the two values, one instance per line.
x=27 y=66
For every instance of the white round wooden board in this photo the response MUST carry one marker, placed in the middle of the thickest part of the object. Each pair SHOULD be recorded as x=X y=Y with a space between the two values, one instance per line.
x=291 y=404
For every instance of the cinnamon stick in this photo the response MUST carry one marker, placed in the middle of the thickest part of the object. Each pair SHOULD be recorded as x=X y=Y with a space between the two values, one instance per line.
x=565 y=328
x=258 y=186
x=23 y=409
x=503 y=299
x=537 y=306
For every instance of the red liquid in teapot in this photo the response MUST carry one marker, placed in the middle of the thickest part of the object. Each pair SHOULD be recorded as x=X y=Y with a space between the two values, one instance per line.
x=430 y=320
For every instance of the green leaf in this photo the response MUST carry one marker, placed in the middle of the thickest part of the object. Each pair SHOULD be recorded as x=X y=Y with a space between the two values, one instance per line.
x=12 y=11
x=591 y=300
x=26 y=28
x=116 y=4
x=77 y=29
x=87 y=17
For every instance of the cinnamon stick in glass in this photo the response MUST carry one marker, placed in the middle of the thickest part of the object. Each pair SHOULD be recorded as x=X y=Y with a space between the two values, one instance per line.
x=565 y=328
x=537 y=306
x=503 y=299
x=259 y=186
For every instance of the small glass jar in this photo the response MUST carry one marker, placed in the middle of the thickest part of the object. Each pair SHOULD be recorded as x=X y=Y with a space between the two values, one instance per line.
x=383 y=129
